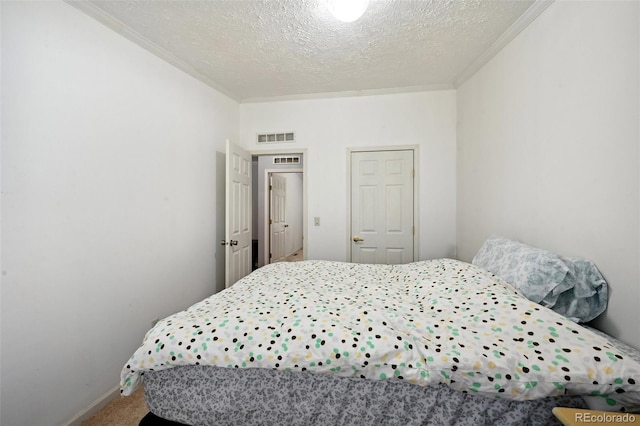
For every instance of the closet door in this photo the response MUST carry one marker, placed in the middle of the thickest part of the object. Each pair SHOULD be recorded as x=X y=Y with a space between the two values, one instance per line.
x=382 y=207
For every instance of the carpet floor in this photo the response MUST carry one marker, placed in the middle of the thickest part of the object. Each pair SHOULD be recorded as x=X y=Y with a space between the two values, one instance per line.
x=122 y=411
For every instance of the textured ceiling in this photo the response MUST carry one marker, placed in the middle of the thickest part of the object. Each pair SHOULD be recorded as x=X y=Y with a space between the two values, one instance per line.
x=254 y=50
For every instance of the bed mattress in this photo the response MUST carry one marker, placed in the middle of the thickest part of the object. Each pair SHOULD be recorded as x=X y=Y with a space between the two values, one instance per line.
x=205 y=395
x=439 y=324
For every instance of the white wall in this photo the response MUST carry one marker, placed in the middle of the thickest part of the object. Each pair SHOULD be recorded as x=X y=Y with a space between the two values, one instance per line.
x=110 y=175
x=548 y=138
x=326 y=127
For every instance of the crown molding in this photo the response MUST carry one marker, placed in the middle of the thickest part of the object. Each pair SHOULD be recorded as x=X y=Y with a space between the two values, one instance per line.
x=527 y=17
x=351 y=93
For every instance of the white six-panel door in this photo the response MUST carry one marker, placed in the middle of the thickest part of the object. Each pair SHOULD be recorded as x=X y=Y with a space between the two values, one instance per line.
x=382 y=210
x=237 y=214
x=277 y=217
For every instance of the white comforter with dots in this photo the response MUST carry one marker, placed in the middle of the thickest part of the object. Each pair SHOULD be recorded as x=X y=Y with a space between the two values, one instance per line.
x=428 y=322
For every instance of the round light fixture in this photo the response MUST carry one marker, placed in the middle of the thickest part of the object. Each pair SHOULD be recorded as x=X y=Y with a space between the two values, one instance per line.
x=348 y=10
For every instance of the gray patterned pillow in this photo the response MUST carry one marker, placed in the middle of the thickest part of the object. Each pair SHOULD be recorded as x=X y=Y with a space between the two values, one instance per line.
x=572 y=287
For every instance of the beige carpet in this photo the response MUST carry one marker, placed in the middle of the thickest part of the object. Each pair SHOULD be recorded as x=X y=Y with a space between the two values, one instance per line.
x=295 y=257
x=122 y=411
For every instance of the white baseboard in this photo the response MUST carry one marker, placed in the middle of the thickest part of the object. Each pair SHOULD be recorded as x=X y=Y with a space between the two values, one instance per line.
x=94 y=407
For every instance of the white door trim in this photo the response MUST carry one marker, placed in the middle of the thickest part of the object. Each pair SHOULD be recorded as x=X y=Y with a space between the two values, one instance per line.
x=416 y=191
x=305 y=180
x=266 y=237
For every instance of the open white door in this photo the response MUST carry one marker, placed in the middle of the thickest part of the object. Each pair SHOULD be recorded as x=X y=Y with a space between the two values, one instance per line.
x=277 y=217
x=382 y=207
x=237 y=214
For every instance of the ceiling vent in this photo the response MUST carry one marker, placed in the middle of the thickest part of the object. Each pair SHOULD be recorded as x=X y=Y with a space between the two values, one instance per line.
x=276 y=137
x=288 y=159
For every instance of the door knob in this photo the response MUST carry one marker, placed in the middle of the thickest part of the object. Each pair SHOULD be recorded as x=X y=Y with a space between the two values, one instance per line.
x=357 y=239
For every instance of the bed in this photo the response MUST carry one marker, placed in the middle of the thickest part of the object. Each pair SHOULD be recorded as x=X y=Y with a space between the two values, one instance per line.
x=431 y=342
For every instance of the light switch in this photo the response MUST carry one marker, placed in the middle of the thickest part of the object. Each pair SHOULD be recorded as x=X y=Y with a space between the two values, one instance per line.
x=316 y=221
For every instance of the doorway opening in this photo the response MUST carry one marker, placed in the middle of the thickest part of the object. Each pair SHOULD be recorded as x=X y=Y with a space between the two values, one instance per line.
x=278 y=199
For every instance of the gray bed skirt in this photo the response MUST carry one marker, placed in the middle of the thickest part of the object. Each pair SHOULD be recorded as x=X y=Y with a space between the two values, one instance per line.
x=205 y=395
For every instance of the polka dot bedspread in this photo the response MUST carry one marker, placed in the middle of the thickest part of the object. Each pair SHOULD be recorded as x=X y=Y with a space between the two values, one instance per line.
x=428 y=322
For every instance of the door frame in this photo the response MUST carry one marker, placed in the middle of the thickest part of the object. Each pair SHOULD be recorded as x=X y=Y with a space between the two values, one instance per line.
x=267 y=204
x=416 y=191
x=302 y=169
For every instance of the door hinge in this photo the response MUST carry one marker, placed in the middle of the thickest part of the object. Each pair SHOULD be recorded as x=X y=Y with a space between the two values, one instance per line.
x=270 y=187
x=413 y=230
x=414 y=173
x=270 y=221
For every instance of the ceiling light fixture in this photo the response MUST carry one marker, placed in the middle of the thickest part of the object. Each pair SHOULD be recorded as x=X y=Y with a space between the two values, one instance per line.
x=348 y=10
